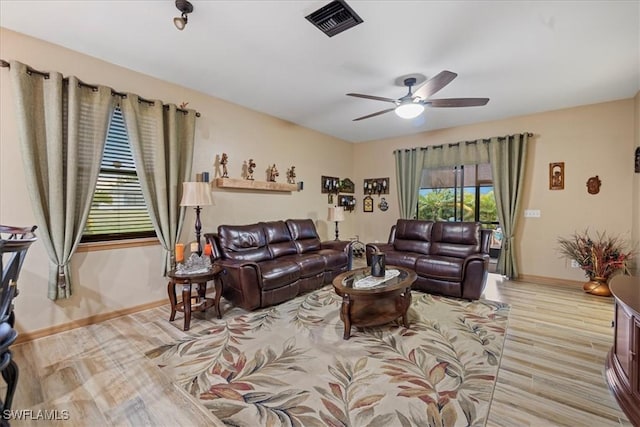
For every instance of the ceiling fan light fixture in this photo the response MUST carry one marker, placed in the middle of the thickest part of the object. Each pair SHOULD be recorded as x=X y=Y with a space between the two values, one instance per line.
x=409 y=110
x=185 y=8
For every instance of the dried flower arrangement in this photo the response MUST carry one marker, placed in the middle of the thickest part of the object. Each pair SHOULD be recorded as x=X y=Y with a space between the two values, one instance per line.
x=600 y=256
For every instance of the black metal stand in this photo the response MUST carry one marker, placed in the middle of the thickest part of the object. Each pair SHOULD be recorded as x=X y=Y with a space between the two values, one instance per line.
x=336 y=239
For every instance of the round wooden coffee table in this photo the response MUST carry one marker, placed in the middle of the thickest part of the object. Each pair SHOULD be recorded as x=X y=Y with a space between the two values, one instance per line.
x=376 y=305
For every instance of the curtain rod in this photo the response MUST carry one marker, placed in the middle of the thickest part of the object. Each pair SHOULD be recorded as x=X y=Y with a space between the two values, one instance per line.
x=456 y=144
x=5 y=64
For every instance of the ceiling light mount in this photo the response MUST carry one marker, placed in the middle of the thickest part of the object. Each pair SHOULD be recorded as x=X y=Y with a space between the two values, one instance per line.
x=185 y=7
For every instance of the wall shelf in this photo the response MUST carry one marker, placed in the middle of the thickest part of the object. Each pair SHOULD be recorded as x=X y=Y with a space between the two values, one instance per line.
x=247 y=184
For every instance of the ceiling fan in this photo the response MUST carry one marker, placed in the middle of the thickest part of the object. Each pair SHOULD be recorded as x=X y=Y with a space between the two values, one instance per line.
x=412 y=104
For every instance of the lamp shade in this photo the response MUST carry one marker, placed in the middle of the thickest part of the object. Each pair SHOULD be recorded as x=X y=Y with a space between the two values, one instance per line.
x=336 y=213
x=196 y=194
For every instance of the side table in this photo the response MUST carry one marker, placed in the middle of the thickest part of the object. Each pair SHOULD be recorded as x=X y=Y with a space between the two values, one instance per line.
x=191 y=303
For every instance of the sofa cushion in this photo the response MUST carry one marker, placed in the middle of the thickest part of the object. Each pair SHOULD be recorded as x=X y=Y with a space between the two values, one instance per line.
x=455 y=239
x=440 y=267
x=413 y=236
x=310 y=264
x=243 y=242
x=304 y=234
x=277 y=273
x=278 y=238
x=401 y=259
x=333 y=259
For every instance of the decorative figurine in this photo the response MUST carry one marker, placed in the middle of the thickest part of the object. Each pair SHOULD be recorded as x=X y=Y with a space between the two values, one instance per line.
x=250 y=168
x=291 y=175
x=223 y=161
x=273 y=173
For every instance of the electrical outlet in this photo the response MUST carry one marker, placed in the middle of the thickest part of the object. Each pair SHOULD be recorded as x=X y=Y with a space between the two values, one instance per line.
x=532 y=213
x=574 y=264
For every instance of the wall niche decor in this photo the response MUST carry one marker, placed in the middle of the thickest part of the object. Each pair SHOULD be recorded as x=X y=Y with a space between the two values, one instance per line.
x=556 y=176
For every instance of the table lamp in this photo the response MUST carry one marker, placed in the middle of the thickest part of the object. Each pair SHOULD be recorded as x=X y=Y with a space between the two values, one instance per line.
x=196 y=194
x=336 y=214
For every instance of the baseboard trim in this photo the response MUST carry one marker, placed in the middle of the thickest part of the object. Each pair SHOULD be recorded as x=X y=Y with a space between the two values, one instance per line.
x=41 y=333
x=530 y=278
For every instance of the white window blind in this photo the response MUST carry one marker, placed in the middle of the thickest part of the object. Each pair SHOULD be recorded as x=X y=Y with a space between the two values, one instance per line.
x=118 y=210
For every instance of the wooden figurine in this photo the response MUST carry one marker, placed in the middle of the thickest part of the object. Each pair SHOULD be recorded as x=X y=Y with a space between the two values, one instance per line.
x=223 y=161
x=291 y=175
x=273 y=173
x=250 y=168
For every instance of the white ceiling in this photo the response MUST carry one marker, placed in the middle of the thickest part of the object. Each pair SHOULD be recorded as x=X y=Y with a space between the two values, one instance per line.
x=526 y=56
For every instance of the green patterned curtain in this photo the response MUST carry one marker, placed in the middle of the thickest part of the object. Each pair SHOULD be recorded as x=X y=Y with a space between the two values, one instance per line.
x=507 y=156
x=62 y=127
x=162 y=140
x=409 y=164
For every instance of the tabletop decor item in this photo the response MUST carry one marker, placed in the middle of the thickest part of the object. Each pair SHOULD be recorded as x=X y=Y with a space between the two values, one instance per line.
x=195 y=264
x=223 y=161
x=291 y=175
x=196 y=194
x=251 y=166
x=273 y=173
x=598 y=257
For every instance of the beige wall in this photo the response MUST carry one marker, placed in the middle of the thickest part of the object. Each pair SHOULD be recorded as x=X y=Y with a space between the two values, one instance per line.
x=591 y=140
x=117 y=279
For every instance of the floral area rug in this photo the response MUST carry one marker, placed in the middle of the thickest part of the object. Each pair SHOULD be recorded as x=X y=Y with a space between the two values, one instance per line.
x=289 y=366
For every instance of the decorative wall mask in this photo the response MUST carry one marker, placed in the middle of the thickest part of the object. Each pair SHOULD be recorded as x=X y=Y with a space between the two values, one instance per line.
x=593 y=185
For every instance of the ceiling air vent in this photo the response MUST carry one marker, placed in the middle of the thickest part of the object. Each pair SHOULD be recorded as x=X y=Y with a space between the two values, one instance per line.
x=334 y=18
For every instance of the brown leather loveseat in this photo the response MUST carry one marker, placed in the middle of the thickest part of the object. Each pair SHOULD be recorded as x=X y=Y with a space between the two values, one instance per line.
x=270 y=262
x=450 y=258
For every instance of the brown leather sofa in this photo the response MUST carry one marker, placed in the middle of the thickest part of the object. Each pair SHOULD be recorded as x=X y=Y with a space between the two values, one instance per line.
x=450 y=258
x=270 y=262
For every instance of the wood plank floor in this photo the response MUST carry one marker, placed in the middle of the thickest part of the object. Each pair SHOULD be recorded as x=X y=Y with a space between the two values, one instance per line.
x=551 y=374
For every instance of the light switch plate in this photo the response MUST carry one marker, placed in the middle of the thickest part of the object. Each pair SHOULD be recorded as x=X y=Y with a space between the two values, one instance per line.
x=532 y=213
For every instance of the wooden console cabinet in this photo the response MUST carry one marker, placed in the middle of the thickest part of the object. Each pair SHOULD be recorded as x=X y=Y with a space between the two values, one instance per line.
x=623 y=361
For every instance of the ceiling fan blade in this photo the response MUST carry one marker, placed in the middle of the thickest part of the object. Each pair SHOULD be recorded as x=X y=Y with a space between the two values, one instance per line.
x=434 y=84
x=457 y=102
x=375 y=98
x=374 y=114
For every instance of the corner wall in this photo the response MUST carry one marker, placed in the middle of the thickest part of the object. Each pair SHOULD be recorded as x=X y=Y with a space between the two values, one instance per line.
x=118 y=279
x=592 y=140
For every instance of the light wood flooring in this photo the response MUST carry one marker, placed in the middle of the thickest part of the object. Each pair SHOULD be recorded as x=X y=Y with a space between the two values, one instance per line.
x=551 y=374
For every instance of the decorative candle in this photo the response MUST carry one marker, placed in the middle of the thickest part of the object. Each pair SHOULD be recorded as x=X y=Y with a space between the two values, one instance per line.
x=208 y=249
x=179 y=252
x=194 y=247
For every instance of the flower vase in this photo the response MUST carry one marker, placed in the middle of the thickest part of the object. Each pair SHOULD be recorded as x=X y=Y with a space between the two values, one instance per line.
x=598 y=286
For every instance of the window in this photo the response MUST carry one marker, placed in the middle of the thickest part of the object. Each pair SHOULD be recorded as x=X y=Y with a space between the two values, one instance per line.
x=461 y=193
x=118 y=210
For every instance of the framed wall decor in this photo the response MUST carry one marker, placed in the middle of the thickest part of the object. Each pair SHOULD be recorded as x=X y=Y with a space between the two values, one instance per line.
x=637 y=168
x=367 y=204
x=556 y=176
x=347 y=186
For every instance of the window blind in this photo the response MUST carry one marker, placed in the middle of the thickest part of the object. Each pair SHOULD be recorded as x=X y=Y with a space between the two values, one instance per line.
x=118 y=210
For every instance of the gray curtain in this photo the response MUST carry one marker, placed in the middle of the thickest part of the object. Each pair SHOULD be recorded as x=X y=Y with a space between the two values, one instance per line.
x=460 y=153
x=62 y=128
x=409 y=164
x=507 y=156
x=162 y=141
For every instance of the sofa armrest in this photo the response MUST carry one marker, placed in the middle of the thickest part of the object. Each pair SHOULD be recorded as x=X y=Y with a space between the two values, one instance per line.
x=243 y=280
x=474 y=275
x=212 y=238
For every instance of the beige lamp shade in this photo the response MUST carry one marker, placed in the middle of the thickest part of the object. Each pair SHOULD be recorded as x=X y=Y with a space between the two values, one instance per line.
x=196 y=194
x=336 y=214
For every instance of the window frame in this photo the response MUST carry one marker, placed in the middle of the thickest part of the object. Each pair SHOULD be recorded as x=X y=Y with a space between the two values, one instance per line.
x=113 y=144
